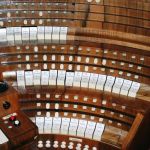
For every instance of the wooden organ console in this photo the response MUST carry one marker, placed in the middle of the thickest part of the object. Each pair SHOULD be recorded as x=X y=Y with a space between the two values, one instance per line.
x=75 y=74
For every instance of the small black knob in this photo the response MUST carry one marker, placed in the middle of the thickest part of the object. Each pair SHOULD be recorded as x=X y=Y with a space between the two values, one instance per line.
x=3 y=86
x=6 y=105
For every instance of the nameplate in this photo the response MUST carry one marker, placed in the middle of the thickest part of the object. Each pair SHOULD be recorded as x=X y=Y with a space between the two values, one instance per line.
x=75 y=139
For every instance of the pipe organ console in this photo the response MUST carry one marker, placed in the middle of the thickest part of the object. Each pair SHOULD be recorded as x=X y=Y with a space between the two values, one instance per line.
x=74 y=74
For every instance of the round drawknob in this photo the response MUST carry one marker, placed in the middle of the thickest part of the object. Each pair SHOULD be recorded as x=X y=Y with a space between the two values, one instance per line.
x=12 y=118
x=78 y=148
x=47 y=145
x=70 y=147
x=63 y=146
x=40 y=145
x=85 y=148
x=55 y=145
x=17 y=123
x=3 y=86
x=6 y=105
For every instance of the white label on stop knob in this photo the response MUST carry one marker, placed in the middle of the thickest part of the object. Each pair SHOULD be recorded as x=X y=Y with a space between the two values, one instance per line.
x=20 y=78
x=125 y=87
x=55 y=35
x=85 y=79
x=37 y=77
x=25 y=33
x=63 y=35
x=3 y=37
x=69 y=78
x=45 y=78
x=18 y=35
x=10 y=35
x=41 y=36
x=61 y=77
x=77 y=79
x=29 y=78
x=48 y=34
x=117 y=85
x=100 y=82
x=93 y=80
x=33 y=34
x=134 y=89
x=52 y=77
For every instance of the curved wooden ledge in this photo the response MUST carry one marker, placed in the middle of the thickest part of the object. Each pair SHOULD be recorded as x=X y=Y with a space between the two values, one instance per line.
x=110 y=34
x=94 y=41
x=30 y=92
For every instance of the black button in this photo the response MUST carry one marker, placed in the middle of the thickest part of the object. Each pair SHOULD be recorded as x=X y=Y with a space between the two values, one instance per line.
x=6 y=105
x=3 y=86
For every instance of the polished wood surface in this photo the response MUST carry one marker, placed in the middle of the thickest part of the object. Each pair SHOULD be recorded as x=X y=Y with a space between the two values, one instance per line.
x=106 y=37
x=126 y=16
x=11 y=97
x=17 y=136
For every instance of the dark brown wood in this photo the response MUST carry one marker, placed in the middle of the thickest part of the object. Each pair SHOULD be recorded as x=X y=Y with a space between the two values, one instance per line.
x=111 y=30
x=138 y=136
x=17 y=135
x=10 y=96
